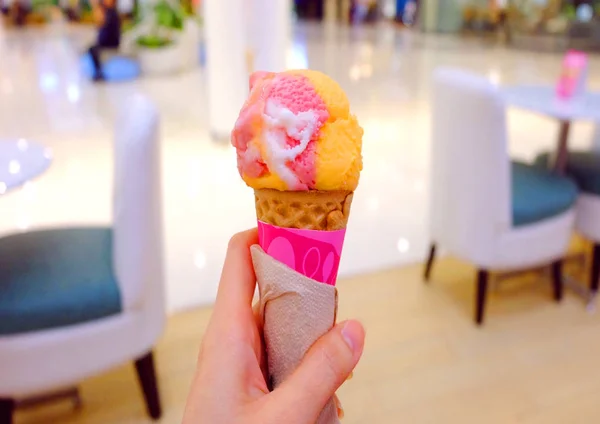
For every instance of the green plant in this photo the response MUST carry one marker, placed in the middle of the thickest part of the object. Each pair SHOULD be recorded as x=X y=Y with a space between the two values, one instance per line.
x=151 y=41
x=569 y=12
x=159 y=22
x=127 y=26
x=169 y=16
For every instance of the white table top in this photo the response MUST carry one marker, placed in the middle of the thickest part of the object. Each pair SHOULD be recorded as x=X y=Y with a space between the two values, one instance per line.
x=20 y=161
x=542 y=99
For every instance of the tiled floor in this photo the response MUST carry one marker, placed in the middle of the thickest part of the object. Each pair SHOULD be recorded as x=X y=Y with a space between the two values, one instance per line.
x=385 y=71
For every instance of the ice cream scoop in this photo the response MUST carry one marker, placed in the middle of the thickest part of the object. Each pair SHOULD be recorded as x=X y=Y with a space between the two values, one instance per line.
x=295 y=133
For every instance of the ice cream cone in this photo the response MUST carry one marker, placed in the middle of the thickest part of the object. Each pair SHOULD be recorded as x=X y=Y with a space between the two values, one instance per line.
x=309 y=210
x=299 y=147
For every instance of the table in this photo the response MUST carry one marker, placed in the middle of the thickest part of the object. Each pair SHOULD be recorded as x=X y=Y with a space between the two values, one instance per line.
x=20 y=161
x=543 y=100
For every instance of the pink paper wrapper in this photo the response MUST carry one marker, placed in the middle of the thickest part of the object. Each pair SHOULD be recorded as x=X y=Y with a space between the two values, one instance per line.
x=314 y=254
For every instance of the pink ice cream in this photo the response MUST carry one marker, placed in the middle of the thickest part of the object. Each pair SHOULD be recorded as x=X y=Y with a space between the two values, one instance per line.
x=277 y=130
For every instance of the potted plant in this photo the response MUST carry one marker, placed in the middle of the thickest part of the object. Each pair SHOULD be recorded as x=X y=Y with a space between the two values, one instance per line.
x=161 y=37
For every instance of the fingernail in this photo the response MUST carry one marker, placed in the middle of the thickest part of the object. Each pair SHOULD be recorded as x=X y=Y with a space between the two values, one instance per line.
x=350 y=332
x=350 y=376
x=340 y=412
x=339 y=408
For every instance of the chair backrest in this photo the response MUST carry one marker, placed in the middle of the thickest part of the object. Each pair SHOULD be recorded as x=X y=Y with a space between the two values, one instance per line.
x=596 y=138
x=137 y=207
x=470 y=202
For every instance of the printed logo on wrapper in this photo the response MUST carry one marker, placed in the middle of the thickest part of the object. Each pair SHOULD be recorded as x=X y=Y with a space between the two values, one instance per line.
x=314 y=254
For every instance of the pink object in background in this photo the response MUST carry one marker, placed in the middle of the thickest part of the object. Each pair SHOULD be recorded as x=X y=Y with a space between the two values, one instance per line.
x=314 y=254
x=573 y=76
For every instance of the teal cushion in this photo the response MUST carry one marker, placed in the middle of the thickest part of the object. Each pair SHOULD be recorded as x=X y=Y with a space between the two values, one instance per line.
x=583 y=167
x=538 y=194
x=55 y=278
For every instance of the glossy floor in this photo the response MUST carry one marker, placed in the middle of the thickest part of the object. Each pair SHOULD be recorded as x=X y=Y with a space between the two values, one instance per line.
x=385 y=71
x=534 y=361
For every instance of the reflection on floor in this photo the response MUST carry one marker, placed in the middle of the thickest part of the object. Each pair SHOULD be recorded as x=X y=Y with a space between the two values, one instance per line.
x=386 y=72
x=424 y=362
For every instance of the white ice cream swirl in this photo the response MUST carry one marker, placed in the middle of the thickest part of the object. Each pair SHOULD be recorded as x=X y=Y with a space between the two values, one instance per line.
x=280 y=123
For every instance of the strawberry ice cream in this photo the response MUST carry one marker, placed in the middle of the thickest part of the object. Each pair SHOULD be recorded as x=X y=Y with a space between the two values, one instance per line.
x=280 y=134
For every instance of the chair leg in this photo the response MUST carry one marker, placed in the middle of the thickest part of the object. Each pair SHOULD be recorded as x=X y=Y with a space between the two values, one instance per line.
x=482 y=285
x=7 y=407
x=595 y=275
x=429 y=263
x=147 y=378
x=557 y=282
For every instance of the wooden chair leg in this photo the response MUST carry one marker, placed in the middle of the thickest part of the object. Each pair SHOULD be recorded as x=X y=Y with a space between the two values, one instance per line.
x=557 y=282
x=482 y=286
x=7 y=407
x=429 y=263
x=595 y=275
x=147 y=378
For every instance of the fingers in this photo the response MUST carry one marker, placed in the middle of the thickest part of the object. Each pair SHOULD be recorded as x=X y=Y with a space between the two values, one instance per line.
x=326 y=366
x=238 y=281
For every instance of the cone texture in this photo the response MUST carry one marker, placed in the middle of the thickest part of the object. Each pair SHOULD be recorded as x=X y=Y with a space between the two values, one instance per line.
x=310 y=210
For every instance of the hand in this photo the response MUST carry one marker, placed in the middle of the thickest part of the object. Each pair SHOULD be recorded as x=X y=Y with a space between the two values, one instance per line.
x=229 y=386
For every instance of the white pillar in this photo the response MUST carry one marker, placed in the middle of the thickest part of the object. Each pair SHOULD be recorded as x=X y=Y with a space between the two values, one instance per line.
x=331 y=10
x=125 y=6
x=271 y=30
x=345 y=11
x=429 y=15
x=227 y=73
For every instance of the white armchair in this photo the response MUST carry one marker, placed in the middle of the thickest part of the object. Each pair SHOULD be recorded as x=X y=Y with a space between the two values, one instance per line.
x=596 y=138
x=588 y=211
x=78 y=301
x=588 y=224
x=584 y=168
x=483 y=209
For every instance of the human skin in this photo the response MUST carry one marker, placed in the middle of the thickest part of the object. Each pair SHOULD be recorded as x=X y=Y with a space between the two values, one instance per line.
x=229 y=385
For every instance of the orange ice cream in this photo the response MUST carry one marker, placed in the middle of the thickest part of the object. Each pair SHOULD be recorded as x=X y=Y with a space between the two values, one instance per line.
x=295 y=132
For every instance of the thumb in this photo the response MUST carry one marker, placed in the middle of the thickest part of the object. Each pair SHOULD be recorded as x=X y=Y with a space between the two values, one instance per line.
x=325 y=367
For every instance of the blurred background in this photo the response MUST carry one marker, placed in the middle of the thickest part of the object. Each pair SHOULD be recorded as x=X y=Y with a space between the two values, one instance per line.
x=119 y=192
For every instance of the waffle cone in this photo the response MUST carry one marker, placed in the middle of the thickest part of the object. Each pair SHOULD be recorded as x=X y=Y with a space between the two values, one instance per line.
x=309 y=210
